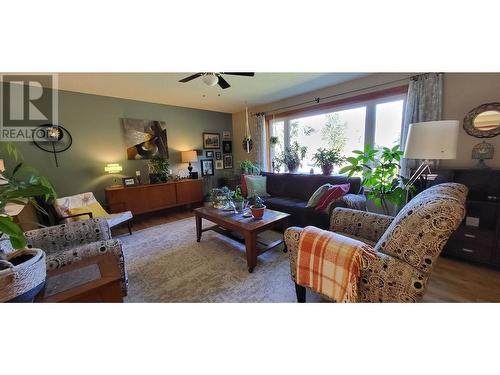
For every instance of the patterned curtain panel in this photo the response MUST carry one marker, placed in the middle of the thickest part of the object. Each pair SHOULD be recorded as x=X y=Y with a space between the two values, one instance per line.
x=260 y=142
x=424 y=102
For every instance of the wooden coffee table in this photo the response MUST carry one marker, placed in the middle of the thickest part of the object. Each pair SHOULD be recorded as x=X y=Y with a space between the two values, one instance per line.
x=243 y=229
x=94 y=279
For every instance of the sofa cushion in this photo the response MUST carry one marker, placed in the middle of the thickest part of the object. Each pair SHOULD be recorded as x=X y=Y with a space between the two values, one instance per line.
x=317 y=195
x=256 y=186
x=333 y=193
x=292 y=206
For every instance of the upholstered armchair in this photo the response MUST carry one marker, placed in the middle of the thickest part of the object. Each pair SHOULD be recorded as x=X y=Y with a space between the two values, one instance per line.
x=71 y=242
x=407 y=246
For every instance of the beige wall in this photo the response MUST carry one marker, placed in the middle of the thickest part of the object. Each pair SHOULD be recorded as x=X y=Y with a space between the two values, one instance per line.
x=462 y=92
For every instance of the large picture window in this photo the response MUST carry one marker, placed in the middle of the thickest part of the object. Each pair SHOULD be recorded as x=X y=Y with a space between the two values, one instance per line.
x=347 y=127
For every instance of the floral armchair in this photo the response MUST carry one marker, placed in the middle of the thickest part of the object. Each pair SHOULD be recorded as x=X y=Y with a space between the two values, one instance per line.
x=407 y=245
x=68 y=243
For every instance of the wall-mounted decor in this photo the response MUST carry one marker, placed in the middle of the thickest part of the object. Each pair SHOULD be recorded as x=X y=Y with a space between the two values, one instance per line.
x=228 y=161
x=247 y=139
x=483 y=121
x=211 y=140
x=128 y=181
x=226 y=135
x=145 y=139
x=482 y=151
x=53 y=139
x=207 y=167
x=209 y=154
x=227 y=147
x=219 y=164
x=218 y=155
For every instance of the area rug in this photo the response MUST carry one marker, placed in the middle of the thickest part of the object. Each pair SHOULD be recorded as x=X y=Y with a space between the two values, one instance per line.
x=166 y=264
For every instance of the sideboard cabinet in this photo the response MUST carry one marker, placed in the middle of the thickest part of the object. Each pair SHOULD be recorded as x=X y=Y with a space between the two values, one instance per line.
x=478 y=237
x=153 y=197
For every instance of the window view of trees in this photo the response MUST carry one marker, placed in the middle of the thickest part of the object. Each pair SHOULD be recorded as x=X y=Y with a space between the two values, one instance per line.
x=341 y=131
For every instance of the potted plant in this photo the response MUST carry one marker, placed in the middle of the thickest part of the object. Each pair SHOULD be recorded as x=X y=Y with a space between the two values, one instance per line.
x=22 y=269
x=158 y=169
x=327 y=159
x=220 y=197
x=258 y=208
x=292 y=157
x=238 y=200
x=379 y=171
x=247 y=167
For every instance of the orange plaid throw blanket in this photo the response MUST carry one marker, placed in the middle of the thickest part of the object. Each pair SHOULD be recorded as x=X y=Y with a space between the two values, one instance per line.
x=330 y=263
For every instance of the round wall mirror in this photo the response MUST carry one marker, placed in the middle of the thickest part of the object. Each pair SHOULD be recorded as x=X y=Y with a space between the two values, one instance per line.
x=483 y=121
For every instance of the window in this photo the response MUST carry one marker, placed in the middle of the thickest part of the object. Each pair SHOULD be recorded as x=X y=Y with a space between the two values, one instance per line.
x=376 y=121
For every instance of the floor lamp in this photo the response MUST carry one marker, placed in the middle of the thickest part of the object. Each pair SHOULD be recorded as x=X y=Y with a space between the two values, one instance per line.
x=430 y=140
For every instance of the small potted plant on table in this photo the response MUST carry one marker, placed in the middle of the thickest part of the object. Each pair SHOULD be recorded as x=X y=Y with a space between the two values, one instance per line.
x=238 y=199
x=258 y=208
x=327 y=159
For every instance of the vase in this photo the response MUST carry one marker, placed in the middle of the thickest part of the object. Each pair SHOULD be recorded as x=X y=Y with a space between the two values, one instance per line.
x=327 y=169
x=293 y=169
x=24 y=277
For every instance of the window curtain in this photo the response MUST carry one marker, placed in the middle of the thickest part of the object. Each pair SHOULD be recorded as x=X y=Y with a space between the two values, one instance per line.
x=261 y=141
x=424 y=102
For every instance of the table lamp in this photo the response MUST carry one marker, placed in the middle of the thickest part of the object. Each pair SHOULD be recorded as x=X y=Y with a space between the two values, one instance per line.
x=188 y=157
x=113 y=168
x=430 y=140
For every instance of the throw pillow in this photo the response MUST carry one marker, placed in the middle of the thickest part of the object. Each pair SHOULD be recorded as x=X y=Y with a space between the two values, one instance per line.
x=243 y=185
x=256 y=185
x=316 y=196
x=95 y=208
x=335 y=192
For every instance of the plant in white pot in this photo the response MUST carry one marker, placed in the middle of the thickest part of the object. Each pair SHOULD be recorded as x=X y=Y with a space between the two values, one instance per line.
x=22 y=269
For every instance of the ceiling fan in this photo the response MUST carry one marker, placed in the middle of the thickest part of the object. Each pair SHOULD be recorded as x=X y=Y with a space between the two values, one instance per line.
x=211 y=79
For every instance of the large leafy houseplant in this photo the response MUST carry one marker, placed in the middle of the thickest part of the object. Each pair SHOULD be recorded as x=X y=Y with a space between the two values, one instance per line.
x=327 y=159
x=379 y=171
x=247 y=167
x=158 y=169
x=23 y=191
x=292 y=156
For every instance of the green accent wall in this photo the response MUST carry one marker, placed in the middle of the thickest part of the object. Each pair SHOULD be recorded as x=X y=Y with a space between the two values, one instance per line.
x=95 y=125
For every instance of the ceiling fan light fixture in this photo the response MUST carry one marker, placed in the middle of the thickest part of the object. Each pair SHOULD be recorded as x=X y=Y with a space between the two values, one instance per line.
x=210 y=79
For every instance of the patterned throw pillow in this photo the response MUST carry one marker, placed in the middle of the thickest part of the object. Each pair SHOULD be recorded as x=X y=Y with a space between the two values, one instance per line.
x=256 y=185
x=332 y=194
x=316 y=196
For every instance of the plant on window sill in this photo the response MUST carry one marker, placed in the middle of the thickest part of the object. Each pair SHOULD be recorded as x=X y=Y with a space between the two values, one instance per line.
x=327 y=159
x=291 y=157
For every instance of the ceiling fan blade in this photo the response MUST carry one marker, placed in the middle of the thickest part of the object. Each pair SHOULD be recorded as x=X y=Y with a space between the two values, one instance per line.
x=223 y=83
x=241 y=74
x=187 y=79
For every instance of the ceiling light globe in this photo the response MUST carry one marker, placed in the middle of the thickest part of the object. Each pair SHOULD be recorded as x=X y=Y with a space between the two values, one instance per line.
x=210 y=79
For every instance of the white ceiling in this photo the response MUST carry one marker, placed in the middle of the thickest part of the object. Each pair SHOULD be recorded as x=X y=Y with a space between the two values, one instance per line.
x=164 y=88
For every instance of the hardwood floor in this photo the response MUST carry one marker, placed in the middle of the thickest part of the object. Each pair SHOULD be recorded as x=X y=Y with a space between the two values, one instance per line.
x=451 y=280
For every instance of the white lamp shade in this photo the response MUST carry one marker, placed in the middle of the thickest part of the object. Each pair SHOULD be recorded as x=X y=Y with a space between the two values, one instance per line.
x=432 y=140
x=113 y=168
x=2 y=165
x=210 y=79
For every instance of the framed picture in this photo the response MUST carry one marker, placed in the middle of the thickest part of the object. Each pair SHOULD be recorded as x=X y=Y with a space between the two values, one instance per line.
x=219 y=164
x=129 y=181
x=145 y=139
x=228 y=161
x=207 y=167
x=227 y=147
x=226 y=135
x=209 y=154
x=218 y=155
x=211 y=140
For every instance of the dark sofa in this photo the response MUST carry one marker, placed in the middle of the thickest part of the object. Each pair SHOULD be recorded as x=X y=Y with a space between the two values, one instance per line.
x=290 y=193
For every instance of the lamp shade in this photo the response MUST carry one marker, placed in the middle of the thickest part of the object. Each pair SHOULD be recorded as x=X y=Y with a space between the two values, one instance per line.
x=113 y=168
x=188 y=156
x=432 y=140
x=2 y=165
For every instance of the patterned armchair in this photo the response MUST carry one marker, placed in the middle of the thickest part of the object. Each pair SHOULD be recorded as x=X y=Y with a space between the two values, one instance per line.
x=407 y=245
x=68 y=243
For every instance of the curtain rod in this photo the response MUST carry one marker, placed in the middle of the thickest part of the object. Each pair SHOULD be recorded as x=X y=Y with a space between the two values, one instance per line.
x=317 y=100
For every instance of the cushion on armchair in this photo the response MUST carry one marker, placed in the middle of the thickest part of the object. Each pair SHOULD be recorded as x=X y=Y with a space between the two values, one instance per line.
x=95 y=209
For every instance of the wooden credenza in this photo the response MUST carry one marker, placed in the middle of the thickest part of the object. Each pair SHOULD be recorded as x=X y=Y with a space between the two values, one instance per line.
x=153 y=197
